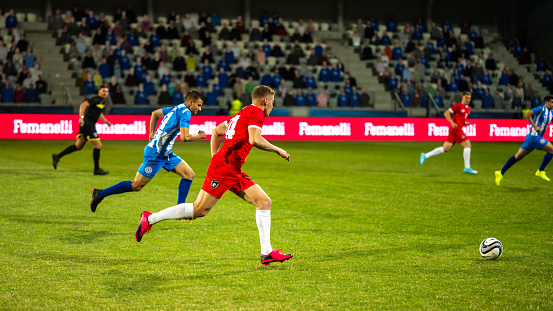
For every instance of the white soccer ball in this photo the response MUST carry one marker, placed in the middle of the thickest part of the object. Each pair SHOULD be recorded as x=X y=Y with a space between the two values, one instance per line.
x=491 y=248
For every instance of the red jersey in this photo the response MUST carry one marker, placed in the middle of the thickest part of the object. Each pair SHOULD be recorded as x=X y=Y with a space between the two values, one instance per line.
x=237 y=145
x=460 y=114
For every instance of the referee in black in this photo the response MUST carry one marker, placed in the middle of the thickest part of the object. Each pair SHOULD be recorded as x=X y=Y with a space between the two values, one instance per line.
x=89 y=113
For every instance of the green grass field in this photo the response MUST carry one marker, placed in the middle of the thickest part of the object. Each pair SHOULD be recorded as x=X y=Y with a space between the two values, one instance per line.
x=368 y=226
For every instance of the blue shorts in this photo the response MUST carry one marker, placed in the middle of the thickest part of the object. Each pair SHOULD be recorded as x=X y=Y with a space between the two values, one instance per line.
x=154 y=161
x=534 y=142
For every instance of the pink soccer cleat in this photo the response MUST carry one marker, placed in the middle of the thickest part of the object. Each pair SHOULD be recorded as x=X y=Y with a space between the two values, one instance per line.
x=275 y=256
x=143 y=226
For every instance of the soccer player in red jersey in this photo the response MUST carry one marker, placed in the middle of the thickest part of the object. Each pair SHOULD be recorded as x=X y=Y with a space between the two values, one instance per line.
x=456 y=115
x=243 y=131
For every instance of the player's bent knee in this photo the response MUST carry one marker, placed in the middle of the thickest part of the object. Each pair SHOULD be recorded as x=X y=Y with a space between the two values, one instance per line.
x=190 y=175
x=264 y=203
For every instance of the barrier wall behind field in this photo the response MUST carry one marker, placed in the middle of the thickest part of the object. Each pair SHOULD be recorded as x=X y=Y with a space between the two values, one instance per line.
x=136 y=127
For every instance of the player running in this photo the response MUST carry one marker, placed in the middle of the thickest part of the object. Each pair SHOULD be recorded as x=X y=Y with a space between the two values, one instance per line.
x=158 y=154
x=89 y=112
x=539 y=118
x=456 y=115
x=225 y=173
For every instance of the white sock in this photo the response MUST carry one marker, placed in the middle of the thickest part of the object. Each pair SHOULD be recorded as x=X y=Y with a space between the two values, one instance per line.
x=466 y=155
x=263 y=219
x=183 y=210
x=435 y=152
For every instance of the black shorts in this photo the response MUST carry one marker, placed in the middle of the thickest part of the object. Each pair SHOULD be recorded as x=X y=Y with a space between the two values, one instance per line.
x=88 y=132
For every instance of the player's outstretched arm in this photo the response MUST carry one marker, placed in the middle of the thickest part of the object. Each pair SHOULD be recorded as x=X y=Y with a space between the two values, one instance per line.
x=186 y=136
x=217 y=136
x=156 y=115
x=261 y=143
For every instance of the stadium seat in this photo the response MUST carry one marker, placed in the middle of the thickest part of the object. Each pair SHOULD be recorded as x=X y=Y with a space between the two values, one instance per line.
x=316 y=26
x=255 y=23
x=20 y=17
x=31 y=17
x=162 y=19
x=325 y=26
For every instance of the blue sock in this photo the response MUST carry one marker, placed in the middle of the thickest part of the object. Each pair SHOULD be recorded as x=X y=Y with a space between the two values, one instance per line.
x=184 y=187
x=124 y=186
x=548 y=156
x=512 y=160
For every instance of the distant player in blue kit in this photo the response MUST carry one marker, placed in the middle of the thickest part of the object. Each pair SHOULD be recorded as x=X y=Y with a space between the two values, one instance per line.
x=539 y=118
x=158 y=154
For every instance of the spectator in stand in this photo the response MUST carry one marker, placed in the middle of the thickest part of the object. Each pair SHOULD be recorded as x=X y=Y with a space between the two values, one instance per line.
x=140 y=98
x=191 y=62
x=98 y=80
x=335 y=73
x=57 y=21
x=355 y=99
x=117 y=96
x=342 y=98
x=322 y=99
x=179 y=64
x=536 y=100
x=300 y=98
x=392 y=82
x=235 y=33
x=11 y=20
x=406 y=97
x=177 y=97
x=7 y=93
x=104 y=68
x=172 y=31
x=223 y=78
x=367 y=52
x=132 y=78
x=148 y=86
x=385 y=39
x=161 y=30
x=19 y=94
x=41 y=85
x=89 y=86
x=517 y=101
x=310 y=98
x=396 y=52
x=547 y=80
x=277 y=51
x=505 y=77
x=487 y=99
x=498 y=99
x=438 y=99
x=9 y=68
x=298 y=81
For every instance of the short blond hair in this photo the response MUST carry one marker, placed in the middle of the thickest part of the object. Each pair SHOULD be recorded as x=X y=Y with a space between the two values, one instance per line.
x=262 y=91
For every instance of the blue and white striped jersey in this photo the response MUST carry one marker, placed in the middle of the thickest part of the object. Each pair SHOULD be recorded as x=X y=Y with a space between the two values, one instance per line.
x=542 y=117
x=174 y=118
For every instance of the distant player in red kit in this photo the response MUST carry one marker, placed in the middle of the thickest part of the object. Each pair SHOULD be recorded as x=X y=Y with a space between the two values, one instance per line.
x=456 y=115
x=243 y=131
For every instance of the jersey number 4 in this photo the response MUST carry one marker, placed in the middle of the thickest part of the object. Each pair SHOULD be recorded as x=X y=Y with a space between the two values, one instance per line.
x=231 y=125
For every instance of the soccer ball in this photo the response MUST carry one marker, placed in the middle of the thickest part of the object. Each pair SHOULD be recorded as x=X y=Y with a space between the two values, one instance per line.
x=491 y=248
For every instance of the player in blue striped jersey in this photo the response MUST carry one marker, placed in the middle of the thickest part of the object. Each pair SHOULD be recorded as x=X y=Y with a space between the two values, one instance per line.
x=539 y=118
x=158 y=154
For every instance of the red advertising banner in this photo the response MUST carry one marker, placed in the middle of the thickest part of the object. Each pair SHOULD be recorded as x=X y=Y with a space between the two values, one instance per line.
x=136 y=127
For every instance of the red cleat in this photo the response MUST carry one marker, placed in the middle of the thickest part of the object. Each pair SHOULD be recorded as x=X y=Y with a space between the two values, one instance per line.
x=143 y=226
x=275 y=256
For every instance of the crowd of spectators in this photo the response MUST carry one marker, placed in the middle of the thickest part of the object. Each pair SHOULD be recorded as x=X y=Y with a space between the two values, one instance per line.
x=536 y=64
x=147 y=62
x=438 y=63
x=21 y=79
